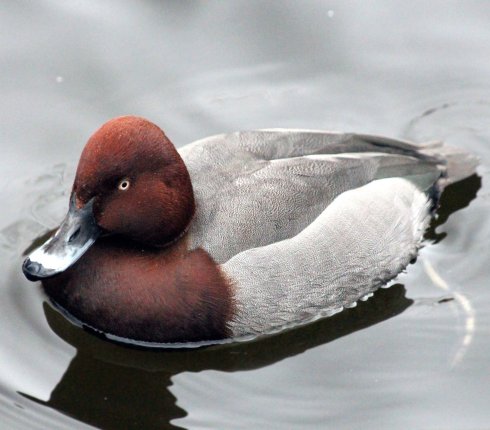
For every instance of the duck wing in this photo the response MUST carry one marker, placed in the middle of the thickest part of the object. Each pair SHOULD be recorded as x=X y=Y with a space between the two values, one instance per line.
x=256 y=188
x=363 y=239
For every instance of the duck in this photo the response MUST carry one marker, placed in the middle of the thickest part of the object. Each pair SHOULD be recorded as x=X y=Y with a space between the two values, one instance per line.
x=236 y=235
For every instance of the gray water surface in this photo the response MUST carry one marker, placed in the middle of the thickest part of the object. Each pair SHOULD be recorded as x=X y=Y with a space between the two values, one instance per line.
x=415 y=356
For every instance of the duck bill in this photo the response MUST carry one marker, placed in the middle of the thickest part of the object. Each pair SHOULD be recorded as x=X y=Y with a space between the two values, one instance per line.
x=75 y=235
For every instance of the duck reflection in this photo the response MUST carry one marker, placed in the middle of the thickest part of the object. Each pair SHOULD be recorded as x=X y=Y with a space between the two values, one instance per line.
x=113 y=387
x=456 y=197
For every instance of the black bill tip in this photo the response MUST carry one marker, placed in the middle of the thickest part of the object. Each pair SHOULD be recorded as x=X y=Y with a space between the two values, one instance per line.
x=31 y=270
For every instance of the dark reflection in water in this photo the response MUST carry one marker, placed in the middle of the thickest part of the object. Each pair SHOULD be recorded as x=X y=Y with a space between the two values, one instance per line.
x=455 y=197
x=114 y=387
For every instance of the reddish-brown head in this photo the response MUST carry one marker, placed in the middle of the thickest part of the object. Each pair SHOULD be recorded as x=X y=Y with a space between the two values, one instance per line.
x=138 y=182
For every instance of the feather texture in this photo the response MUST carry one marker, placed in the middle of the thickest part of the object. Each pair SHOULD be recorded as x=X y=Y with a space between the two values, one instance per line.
x=306 y=223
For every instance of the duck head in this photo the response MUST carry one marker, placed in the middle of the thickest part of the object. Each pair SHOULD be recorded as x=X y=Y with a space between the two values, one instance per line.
x=130 y=182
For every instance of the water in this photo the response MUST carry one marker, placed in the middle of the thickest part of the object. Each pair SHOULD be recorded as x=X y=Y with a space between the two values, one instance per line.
x=413 y=356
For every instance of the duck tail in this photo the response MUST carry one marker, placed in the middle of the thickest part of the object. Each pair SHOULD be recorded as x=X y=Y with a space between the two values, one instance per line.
x=458 y=163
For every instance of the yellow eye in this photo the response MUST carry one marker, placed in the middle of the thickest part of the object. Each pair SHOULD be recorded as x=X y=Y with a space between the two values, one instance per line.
x=124 y=184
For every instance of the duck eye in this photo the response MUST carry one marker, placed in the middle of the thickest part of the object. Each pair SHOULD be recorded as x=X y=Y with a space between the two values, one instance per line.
x=124 y=184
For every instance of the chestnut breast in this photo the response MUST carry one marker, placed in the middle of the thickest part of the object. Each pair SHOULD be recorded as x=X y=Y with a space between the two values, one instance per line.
x=166 y=295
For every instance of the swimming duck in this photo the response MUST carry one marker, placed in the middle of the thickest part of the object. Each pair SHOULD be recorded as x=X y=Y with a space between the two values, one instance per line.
x=237 y=234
